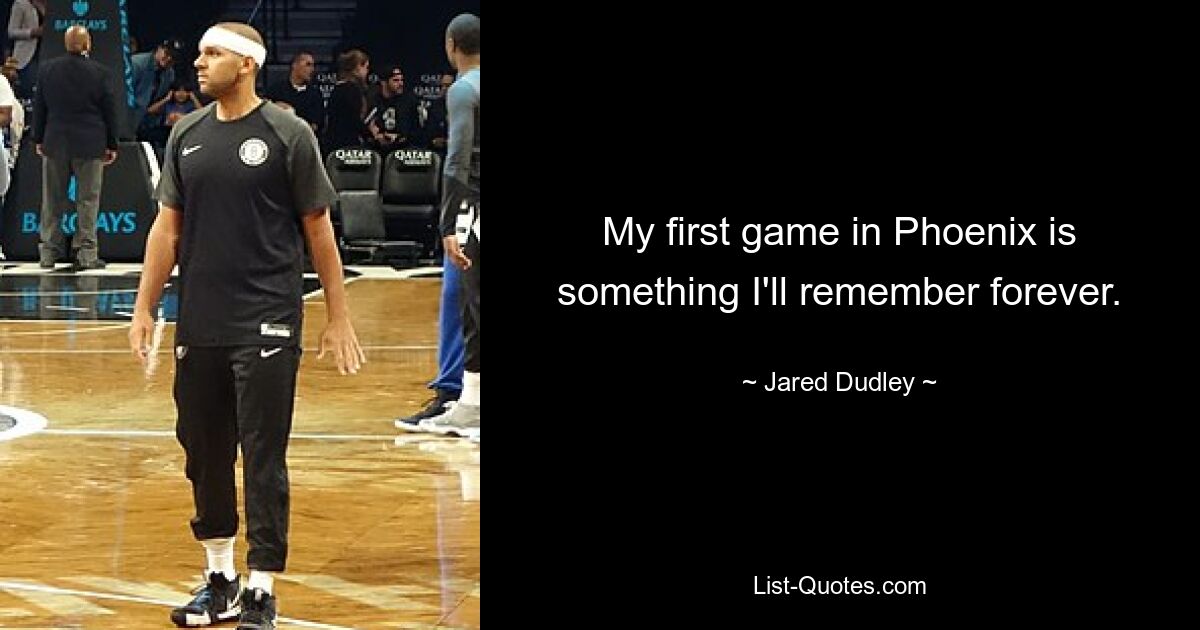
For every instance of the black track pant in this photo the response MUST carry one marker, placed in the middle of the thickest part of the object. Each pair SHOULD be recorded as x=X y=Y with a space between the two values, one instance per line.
x=470 y=305
x=231 y=395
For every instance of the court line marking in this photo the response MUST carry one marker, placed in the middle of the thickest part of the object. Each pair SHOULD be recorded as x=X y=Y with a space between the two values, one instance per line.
x=417 y=273
x=170 y=351
x=111 y=291
x=58 y=604
x=397 y=598
x=149 y=433
x=59 y=322
x=54 y=590
x=62 y=291
x=65 y=331
x=75 y=330
x=28 y=423
x=306 y=297
x=321 y=290
x=383 y=272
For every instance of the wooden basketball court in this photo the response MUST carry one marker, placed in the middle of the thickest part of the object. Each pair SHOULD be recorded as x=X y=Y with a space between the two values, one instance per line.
x=94 y=507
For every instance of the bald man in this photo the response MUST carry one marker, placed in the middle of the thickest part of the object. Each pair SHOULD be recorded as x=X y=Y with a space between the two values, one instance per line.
x=74 y=129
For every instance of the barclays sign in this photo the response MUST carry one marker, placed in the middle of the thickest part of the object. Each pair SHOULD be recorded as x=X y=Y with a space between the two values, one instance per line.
x=98 y=26
x=80 y=8
x=107 y=222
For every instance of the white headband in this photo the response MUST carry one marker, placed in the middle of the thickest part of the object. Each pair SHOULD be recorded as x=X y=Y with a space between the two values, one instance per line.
x=233 y=42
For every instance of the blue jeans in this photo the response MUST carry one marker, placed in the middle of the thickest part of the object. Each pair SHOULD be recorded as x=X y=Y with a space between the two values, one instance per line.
x=451 y=349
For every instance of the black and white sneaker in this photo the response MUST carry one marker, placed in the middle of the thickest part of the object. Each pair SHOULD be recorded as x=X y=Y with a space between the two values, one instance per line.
x=216 y=601
x=462 y=420
x=434 y=407
x=258 y=610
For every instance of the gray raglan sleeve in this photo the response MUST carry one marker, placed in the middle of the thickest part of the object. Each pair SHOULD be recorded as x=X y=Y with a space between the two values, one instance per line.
x=461 y=100
x=311 y=189
x=460 y=110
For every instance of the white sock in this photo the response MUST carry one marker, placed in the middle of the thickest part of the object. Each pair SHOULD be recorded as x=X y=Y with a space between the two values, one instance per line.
x=262 y=579
x=470 y=391
x=220 y=556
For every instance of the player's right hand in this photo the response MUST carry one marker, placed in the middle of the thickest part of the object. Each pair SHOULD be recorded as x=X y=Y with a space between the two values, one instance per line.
x=454 y=251
x=141 y=331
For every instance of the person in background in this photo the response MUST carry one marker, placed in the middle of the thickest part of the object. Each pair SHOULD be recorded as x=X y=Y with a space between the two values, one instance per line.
x=16 y=126
x=180 y=101
x=392 y=119
x=153 y=73
x=298 y=91
x=12 y=119
x=25 y=29
x=11 y=72
x=460 y=186
x=433 y=127
x=348 y=104
x=75 y=131
x=9 y=107
x=447 y=385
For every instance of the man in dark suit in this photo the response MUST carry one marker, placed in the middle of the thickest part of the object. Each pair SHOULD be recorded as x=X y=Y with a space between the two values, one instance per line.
x=74 y=128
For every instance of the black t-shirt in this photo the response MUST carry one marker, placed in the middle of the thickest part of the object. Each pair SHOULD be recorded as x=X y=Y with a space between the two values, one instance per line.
x=345 y=128
x=242 y=186
x=396 y=114
x=307 y=100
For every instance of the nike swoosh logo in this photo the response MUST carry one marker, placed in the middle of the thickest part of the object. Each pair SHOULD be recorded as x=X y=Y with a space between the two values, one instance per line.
x=187 y=150
x=267 y=353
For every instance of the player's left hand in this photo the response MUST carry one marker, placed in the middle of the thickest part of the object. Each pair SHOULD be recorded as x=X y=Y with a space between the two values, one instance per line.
x=340 y=339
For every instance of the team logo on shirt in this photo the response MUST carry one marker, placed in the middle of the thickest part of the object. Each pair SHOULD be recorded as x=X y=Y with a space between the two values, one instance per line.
x=253 y=152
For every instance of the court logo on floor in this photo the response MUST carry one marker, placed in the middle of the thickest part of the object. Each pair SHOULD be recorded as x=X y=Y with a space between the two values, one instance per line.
x=15 y=423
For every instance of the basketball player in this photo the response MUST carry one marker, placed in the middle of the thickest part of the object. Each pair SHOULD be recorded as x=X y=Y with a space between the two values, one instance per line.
x=460 y=181
x=242 y=187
